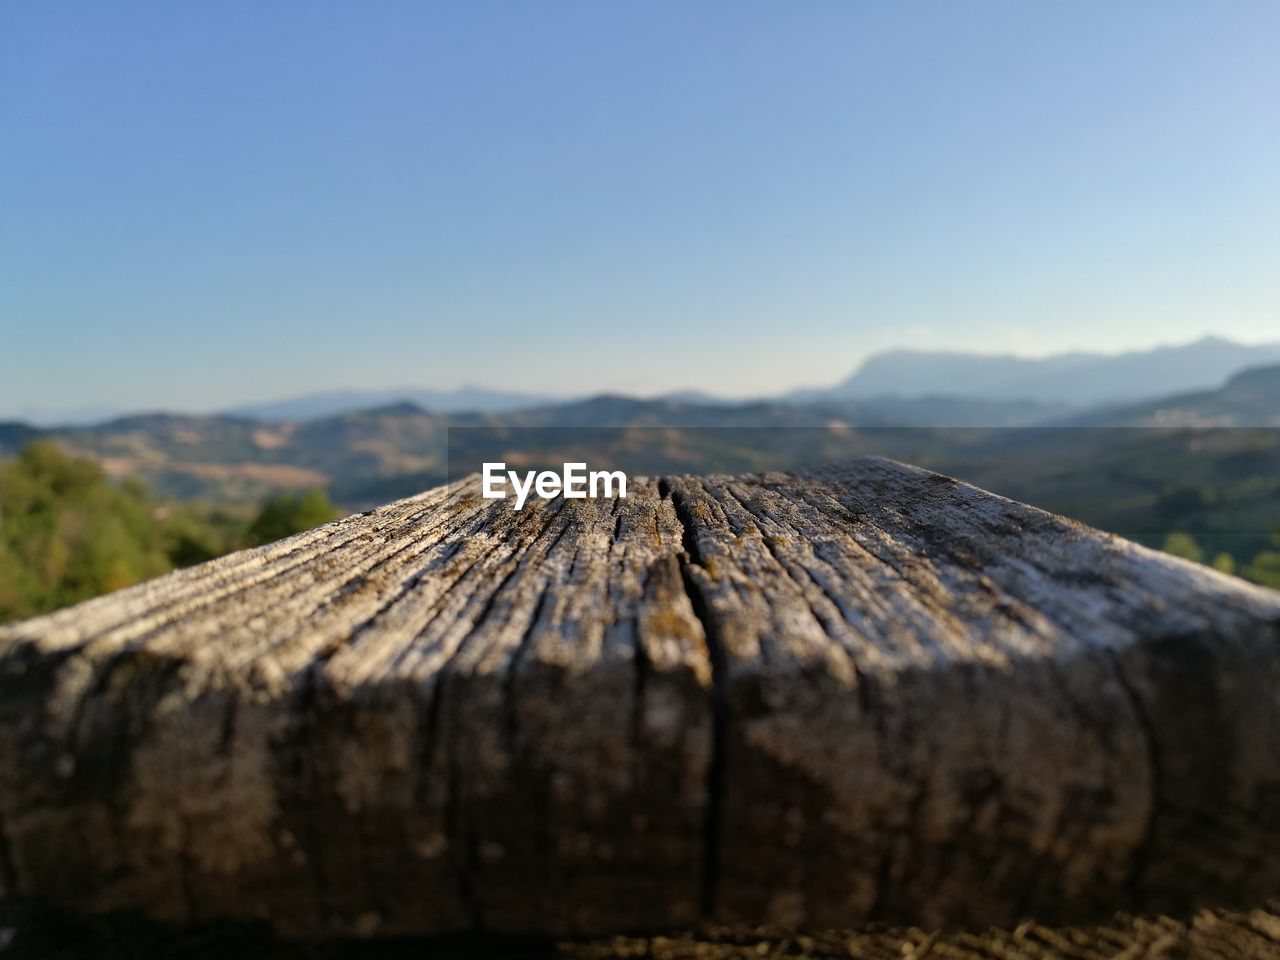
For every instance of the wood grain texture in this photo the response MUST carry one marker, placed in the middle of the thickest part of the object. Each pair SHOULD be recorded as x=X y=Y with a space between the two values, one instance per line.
x=861 y=693
x=1215 y=935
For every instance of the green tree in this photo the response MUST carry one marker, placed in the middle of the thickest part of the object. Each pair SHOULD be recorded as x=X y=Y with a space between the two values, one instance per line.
x=194 y=533
x=1224 y=563
x=288 y=513
x=67 y=533
x=1265 y=568
x=1183 y=545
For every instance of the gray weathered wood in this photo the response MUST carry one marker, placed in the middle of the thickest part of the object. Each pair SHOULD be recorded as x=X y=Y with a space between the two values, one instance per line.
x=864 y=692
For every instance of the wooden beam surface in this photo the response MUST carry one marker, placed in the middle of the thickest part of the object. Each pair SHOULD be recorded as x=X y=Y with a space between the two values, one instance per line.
x=860 y=693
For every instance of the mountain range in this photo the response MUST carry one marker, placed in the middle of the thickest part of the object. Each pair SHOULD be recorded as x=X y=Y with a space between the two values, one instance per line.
x=312 y=406
x=915 y=385
x=937 y=388
x=1063 y=380
x=375 y=453
x=934 y=388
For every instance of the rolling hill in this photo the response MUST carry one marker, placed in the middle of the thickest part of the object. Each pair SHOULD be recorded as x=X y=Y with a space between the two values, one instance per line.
x=1205 y=462
x=1250 y=398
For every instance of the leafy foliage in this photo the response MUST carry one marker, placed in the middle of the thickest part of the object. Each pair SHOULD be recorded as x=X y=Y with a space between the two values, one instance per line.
x=1224 y=563
x=1265 y=568
x=68 y=533
x=288 y=513
x=1183 y=545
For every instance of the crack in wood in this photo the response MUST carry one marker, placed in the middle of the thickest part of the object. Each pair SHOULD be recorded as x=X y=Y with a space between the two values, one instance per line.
x=717 y=768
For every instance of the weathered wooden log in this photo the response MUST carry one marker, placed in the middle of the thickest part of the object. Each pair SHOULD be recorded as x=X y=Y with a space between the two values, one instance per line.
x=864 y=692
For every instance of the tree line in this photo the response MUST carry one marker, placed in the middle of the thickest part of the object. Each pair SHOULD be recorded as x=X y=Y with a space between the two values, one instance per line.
x=1264 y=568
x=68 y=532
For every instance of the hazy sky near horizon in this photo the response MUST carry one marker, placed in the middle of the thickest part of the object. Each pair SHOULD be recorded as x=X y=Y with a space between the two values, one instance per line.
x=203 y=204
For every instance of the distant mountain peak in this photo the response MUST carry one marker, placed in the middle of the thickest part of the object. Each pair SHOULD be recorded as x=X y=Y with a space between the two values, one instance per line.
x=1076 y=379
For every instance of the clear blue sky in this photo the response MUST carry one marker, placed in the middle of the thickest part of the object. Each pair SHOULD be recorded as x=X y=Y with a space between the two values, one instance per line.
x=208 y=203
